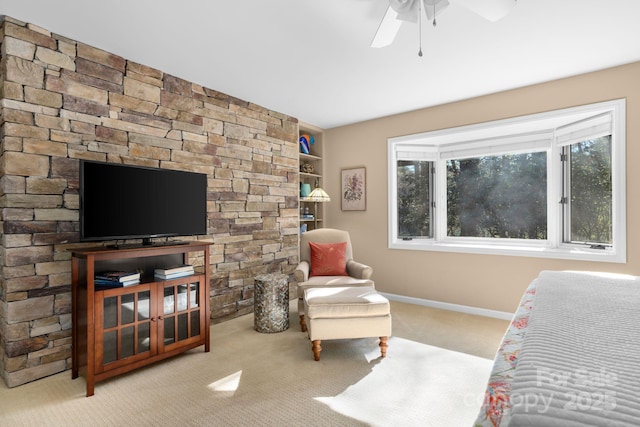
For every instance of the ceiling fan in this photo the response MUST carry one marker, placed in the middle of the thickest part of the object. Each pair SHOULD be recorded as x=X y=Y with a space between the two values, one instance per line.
x=400 y=11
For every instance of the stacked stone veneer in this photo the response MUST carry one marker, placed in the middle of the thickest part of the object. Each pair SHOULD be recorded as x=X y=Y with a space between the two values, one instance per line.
x=61 y=101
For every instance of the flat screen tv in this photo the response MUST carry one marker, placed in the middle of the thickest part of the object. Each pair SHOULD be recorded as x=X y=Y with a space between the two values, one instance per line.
x=132 y=202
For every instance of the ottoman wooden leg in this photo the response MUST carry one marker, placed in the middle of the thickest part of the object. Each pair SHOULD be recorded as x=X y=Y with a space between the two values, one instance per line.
x=383 y=346
x=303 y=324
x=316 y=349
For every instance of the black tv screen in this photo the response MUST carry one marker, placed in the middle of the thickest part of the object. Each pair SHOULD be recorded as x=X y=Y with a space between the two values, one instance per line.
x=131 y=202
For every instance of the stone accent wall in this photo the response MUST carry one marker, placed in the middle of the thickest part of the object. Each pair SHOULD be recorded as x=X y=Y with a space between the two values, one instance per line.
x=61 y=101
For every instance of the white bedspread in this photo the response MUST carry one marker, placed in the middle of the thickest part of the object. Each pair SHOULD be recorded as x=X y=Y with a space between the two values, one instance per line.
x=580 y=360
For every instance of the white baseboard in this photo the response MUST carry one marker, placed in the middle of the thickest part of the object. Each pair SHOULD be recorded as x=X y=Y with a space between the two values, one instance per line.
x=504 y=315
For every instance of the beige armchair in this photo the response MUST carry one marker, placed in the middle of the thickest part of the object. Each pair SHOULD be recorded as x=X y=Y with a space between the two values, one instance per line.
x=358 y=274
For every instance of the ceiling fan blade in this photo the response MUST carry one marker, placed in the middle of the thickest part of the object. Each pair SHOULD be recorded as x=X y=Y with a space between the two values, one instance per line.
x=387 y=29
x=492 y=10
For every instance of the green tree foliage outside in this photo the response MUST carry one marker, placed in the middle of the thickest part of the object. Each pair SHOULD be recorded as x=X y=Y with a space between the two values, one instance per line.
x=591 y=191
x=502 y=196
x=413 y=198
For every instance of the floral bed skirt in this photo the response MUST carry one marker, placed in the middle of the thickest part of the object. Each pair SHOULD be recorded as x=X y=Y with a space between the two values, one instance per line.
x=496 y=406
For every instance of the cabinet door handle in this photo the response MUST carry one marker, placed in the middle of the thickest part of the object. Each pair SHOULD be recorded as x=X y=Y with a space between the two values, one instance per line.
x=160 y=318
x=153 y=319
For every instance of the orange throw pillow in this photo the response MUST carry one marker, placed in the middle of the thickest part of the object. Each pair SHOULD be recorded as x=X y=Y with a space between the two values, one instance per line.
x=328 y=259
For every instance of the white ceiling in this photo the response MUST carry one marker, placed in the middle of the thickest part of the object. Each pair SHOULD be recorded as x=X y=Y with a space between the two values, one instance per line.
x=311 y=58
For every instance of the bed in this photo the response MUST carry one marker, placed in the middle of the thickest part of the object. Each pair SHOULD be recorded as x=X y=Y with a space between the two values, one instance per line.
x=571 y=355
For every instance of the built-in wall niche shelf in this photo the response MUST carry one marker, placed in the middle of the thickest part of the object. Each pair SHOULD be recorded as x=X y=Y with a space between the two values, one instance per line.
x=315 y=161
x=311 y=175
x=310 y=156
x=310 y=222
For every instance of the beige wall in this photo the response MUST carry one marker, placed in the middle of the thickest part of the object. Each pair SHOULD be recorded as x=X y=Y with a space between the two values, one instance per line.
x=485 y=281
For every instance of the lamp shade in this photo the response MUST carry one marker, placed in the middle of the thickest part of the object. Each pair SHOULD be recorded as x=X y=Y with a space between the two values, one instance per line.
x=318 y=195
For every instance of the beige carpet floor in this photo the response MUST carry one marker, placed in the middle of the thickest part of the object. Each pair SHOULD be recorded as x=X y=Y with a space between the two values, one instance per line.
x=434 y=375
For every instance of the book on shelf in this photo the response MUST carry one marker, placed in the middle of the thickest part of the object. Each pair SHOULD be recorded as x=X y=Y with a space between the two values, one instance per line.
x=100 y=284
x=175 y=269
x=117 y=276
x=173 y=275
x=130 y=282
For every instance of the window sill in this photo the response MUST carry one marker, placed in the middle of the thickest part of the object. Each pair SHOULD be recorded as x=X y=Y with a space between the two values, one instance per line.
x=569 y=252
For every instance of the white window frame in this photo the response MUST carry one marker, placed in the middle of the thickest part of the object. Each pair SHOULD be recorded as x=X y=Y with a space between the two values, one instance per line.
x=544 y=131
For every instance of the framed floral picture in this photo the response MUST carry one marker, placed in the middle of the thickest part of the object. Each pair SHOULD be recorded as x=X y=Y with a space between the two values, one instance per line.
x=354 y=185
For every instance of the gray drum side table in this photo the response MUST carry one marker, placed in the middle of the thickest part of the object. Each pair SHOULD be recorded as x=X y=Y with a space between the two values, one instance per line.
x=271 y=303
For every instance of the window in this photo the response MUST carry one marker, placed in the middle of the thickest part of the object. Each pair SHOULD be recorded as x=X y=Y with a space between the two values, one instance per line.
x=498 y=196
x=546 y=185
x=588 y=193
x=415 y=199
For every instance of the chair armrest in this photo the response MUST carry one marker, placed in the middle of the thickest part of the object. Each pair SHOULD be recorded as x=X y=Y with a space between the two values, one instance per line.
x=301 y=273
x=359 y=270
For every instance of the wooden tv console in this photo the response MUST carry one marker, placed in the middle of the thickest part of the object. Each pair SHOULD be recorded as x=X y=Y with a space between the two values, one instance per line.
x=120 y=329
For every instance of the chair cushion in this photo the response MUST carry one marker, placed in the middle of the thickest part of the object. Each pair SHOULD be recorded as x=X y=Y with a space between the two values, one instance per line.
x=328 y=259
x=344 y=302
x=332 y=281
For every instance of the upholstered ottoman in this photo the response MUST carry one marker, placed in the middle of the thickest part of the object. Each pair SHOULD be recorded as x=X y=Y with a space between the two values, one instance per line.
x=346 y=312
x=326 y=282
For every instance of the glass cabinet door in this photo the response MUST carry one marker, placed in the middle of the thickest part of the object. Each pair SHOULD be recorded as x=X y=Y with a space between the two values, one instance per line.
x=147 y=320
x=182 y=313
x=126 y=325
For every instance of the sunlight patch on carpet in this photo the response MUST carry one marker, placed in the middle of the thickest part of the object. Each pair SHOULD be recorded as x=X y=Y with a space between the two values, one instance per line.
x=229 y=383
x=416 y=385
